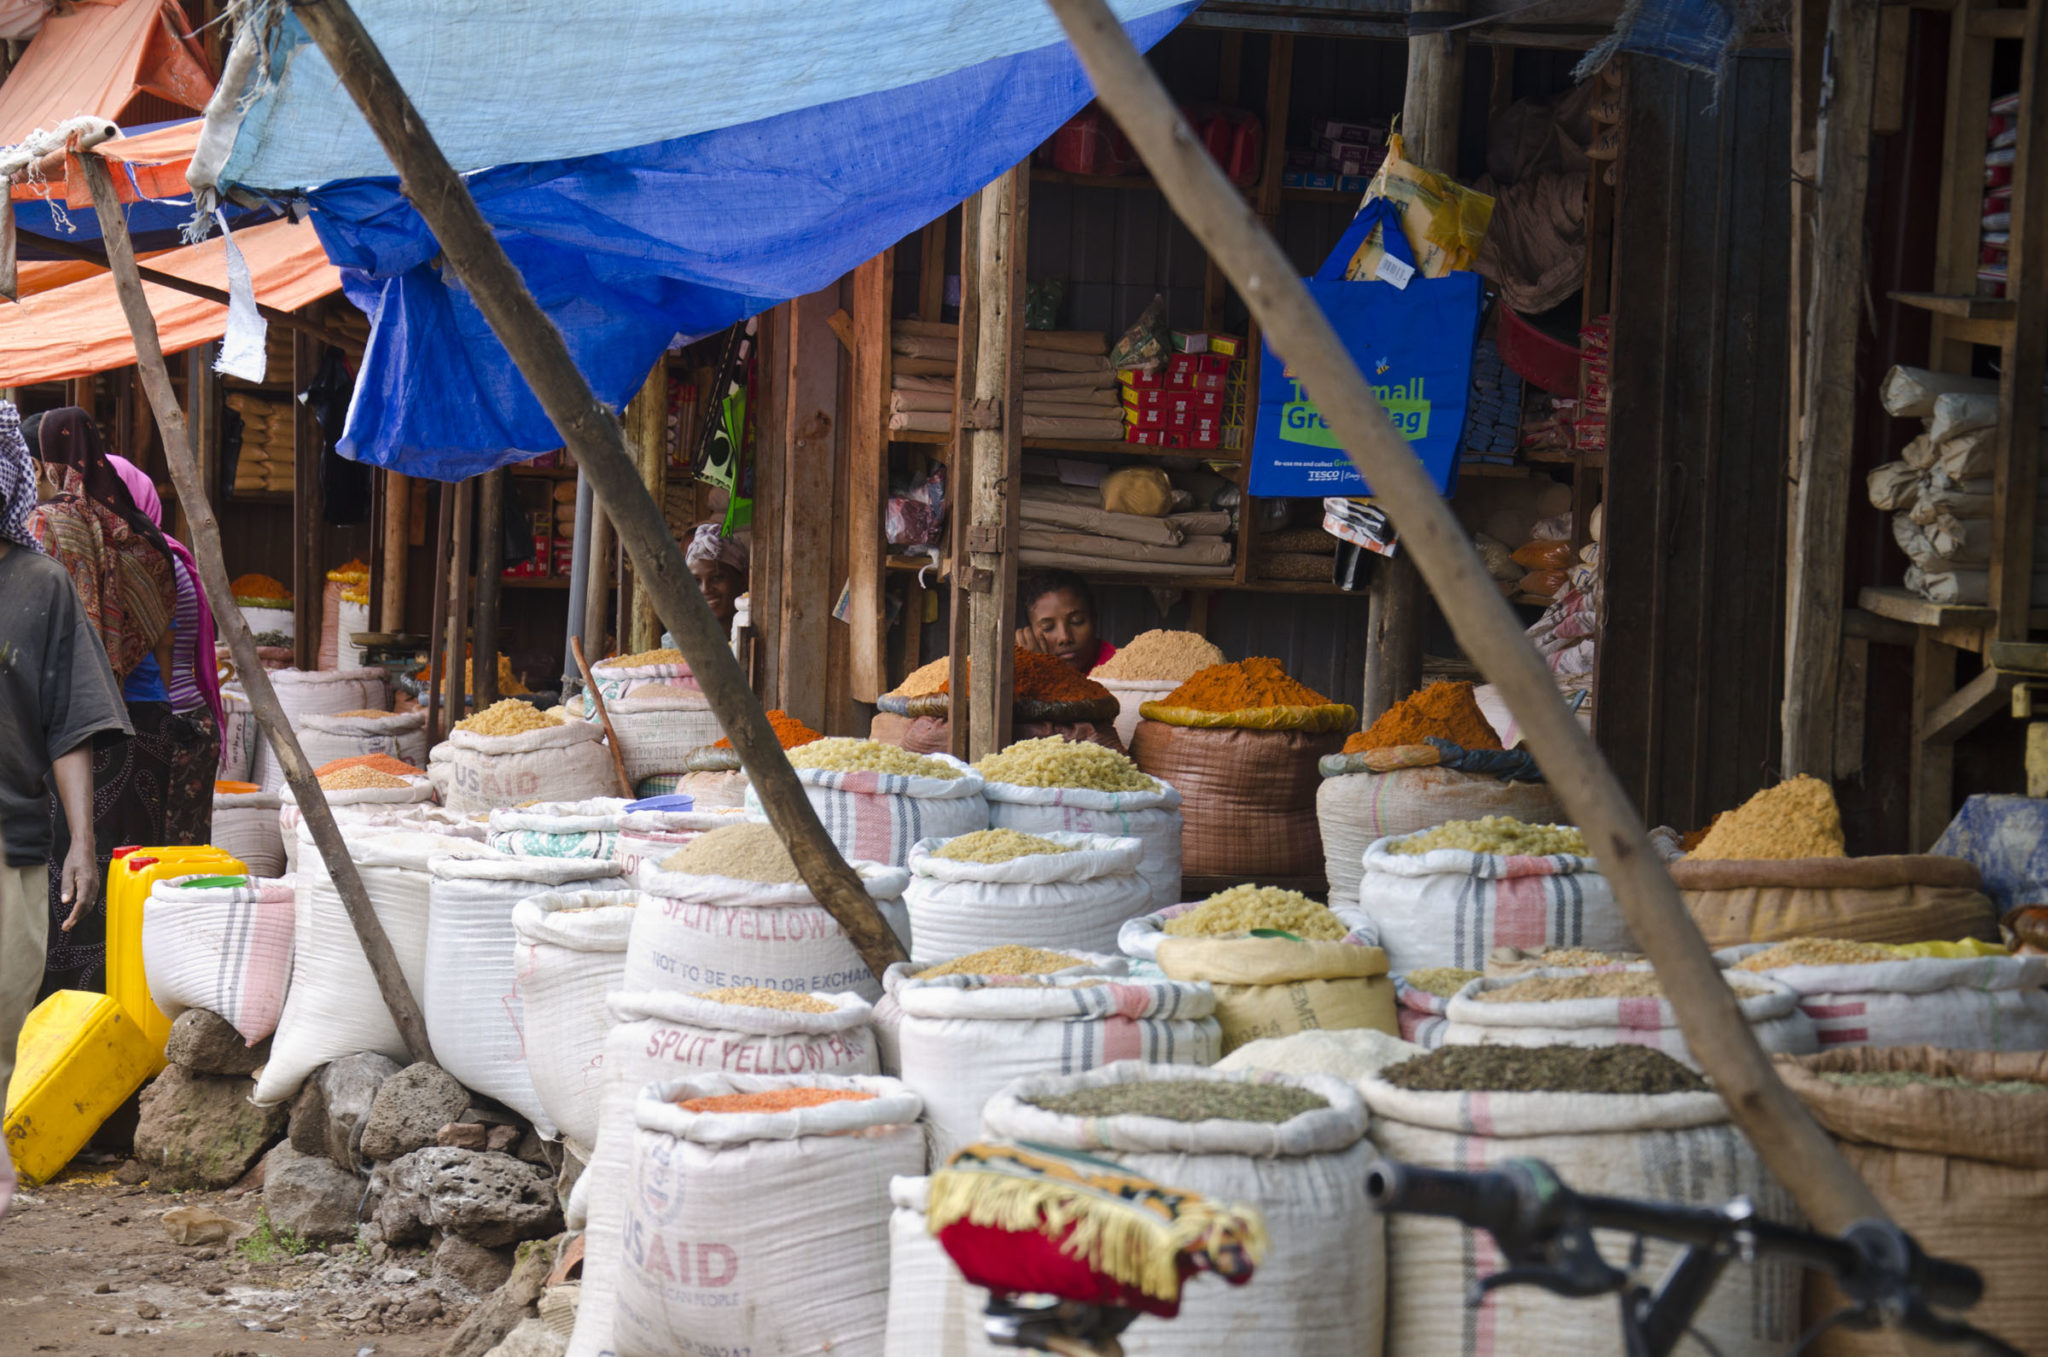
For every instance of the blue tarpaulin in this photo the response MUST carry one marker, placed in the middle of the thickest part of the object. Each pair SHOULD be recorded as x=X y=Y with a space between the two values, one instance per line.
x=634 y=243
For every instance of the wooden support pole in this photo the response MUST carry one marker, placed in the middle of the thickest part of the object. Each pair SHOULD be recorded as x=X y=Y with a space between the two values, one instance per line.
x=597 y=597
x=490 y=572
x=2018 y=446
x=309 y=537
x=213 y=575
x=437 y=616
x=867 y=478
x=994 y=487
x=809 y=362
x=456 y=646
x=592 y=433
x=397 y=536
x=967 y=365
x=1796 y=1150
x=647 y=435
x=1821 y=473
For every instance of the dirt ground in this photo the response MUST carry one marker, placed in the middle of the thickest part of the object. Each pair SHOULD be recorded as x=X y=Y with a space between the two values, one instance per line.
x=86 y=1268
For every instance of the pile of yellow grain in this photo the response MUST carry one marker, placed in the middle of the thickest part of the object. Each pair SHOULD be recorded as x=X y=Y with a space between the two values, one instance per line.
x=1243 y=908
x=1442 y=981
x=645 y=659
x=1496 y=835
x=1796 y=819
x=1818 y=952
x=361 y=780
x=1161 y=656
x=1008 y=959
x=756 y=996
x=745 y=852
x=841 y=754
x=997 y=845
x=507 y=717
x=926 y=680
x=1055 y=762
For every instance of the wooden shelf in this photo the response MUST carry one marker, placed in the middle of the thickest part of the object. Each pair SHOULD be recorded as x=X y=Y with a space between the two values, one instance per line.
x=1902 y=605
x=1113 y=447
x=915 y=564
x=1965 y=308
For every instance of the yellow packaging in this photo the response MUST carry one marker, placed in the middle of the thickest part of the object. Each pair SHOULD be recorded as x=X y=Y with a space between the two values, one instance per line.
x=1274 y=987
x=1968 y=947
x=79 y=1059
x=1445 y=222
x=129 y=879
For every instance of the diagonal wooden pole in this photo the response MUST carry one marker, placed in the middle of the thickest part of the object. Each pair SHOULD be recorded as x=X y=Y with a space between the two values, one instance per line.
x=1791 y=1143
x=213 y=573
x=593 y=433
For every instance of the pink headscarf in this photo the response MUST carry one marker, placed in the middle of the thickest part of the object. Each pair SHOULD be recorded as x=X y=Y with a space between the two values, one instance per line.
x=205 y=673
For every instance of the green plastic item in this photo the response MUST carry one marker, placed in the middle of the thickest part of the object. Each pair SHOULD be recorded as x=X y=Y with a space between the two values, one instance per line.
x=214 y=882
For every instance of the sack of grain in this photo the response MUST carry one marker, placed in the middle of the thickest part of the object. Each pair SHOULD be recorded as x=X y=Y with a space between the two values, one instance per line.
x=226 y=949
x=658 y=732
x=1321 y=1287
x=322 y=693
x=888 y=1020
x=696 y=933
x=744 y=1198
x=653 y=1039
x=1423 y=1015
x=876 y=817
x=351 y=805
x=1152 y=818
x=402 y=735
x=932 y=1308
x=1248 y=797
x=1963 y=1170
x=559 y=829
x=651 y=835
x=245 y=827
x=1075 y=899
x=1772 y=1013
x=279 y=620
x=569 y=954
x=239 y=736
x=1273 y=987
x=1877 y=899
x=332 y=1009
x=643 y=682
x=1450 y=907
x=1911 y=392
x=711 y=791
x=1139 y=938
x=1356 y=808
x=566 y=761
x=1132 y=694
x=1988 y=1003
x=961 y=1038
x=1677 y=1147
x=471 y=1002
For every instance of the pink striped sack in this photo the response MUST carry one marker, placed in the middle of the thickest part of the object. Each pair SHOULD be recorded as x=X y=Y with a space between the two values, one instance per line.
x=1772 y=1012
x=1993 y=1003
x=1421 y=1015
x=878 y=817
x=226 y=949
x=963 y=1037
x=1450 y=907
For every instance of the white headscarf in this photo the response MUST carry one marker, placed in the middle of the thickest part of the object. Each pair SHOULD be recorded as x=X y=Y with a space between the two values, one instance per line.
x=17 y=480
x=710 y=543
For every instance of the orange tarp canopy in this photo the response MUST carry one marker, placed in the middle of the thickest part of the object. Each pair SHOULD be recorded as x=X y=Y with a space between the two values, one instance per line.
x=150 y=166
x=96 y=60
x=79 y=329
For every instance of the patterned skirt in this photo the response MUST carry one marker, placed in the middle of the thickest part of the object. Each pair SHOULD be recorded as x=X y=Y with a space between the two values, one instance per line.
x=153 y=789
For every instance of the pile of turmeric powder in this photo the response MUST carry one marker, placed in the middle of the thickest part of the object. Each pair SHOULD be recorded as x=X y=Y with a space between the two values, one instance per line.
x=1795 y=819
x=790 y=733
x=1446 y=710
x=1037 y=677
x=1244 y=686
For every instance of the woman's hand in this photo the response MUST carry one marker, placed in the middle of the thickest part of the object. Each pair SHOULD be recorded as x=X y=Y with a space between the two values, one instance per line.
x=1030 y=638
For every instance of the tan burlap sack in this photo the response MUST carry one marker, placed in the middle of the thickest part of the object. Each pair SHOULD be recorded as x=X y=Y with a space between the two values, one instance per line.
x=1248 y=797
x=1964 y=1172
x=1908 y=898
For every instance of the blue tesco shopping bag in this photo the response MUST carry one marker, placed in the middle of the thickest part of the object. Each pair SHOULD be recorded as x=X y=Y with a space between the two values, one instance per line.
x=1414 y=344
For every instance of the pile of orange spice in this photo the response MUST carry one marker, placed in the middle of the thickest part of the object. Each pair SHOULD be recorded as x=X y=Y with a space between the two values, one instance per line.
x=1446 y=710
x=790 y=733
x=773 y=1100
x=376 y=763
x=1244 y=686
x=1038 y=677
x=258 y=586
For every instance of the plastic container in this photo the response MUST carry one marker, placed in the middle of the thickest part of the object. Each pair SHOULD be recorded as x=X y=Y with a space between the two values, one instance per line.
x=129 y=878
x=675 y=801
x=81 y=1056
x=1537 y=357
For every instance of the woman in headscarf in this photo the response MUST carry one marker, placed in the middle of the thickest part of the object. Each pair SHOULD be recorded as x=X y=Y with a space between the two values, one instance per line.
x=126 y=578
x=719 y=562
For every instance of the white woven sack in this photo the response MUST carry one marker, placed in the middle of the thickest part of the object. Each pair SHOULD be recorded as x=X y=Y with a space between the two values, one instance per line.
x=1059 y=901
x=715 y=791
x=333 y=1008
x=1449 y=907
x=559 y=829
x=877 y=817
x=727 y=1212
x=352 y=618
x=1422 y=1015
x=1773 y=1016
x=245 y=827
x=658 y=735
x=932 y=1309
x=569 y=954
x=239 y=736
x=350 y=806
x=962 y=1038
x=889 y=1014
x=1320 y=1291
x=1677 y=1147
x=695 y=933
x=1139 y=937
x=320 y=693
x=402 y=735
x=1357 y=809
x=475 y=1018
x=645 y=1046
x=280 y=620
x=226 y=949
x=1993 y=1003
x=1131 y=694
x=565 y=762
x=651 y=835
x=1152 y=818
x=643 y=683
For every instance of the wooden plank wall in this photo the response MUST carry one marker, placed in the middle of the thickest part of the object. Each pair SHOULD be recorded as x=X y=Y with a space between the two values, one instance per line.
x=1691 y=654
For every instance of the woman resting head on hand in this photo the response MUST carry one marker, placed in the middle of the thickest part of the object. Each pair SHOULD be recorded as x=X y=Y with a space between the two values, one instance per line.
x=1056 y=616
